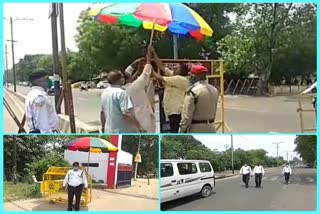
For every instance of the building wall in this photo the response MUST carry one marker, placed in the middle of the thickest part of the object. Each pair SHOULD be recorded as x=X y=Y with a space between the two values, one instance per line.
x=97 y=173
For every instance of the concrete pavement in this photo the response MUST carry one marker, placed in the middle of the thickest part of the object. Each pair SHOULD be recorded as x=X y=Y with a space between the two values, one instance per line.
x=242 y=113
x=102 y=201
x=230 y=194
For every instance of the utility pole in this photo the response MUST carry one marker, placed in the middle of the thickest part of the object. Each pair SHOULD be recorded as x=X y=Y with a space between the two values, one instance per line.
x=13 y=64
x=63 y=59
x=12 y=49
x=232 y=167
x=6 y=66
x=136 y=159
x=277 y=143
x=55 y=52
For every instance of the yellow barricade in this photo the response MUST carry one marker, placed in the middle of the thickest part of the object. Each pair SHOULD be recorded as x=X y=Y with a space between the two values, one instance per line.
x=51 y=186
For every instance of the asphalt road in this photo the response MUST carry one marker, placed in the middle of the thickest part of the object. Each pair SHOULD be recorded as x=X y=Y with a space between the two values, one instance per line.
x=230 y=194
x=242 y=113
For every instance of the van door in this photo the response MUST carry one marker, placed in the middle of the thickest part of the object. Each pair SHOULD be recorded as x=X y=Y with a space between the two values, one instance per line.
x=168 y=188
x=207 y=173
x=189 y=178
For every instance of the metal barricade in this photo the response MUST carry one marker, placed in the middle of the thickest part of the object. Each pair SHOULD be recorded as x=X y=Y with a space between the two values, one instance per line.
x=52 y=182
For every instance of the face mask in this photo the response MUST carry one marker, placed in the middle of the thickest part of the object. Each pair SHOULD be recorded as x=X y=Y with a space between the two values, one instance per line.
x=75 y=168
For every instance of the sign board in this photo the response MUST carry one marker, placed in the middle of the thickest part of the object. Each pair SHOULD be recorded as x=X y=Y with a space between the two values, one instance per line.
x=137 y=158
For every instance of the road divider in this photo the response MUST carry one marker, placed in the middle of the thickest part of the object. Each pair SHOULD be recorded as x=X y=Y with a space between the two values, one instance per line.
x=64 y=122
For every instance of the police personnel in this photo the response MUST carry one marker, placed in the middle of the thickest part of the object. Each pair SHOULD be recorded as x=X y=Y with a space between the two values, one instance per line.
x=75 y=181
x=41 y=115
x=246 y=171
x=287 y=171
x=200 y=104
x=258 y=171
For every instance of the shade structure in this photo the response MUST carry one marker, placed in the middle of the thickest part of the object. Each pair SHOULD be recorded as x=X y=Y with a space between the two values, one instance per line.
x=90 y=144
x=176 y=18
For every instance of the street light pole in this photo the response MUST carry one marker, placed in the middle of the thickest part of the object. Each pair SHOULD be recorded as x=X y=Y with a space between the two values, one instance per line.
x=232 y=166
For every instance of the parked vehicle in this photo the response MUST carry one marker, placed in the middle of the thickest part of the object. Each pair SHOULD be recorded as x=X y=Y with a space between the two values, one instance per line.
x=102 y=84
x=180 y=178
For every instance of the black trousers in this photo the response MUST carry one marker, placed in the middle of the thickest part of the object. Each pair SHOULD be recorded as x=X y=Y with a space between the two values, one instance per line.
x=245 y=179
x=287 y=177
x=174 y=121
x=258 y=179
x=74 y=191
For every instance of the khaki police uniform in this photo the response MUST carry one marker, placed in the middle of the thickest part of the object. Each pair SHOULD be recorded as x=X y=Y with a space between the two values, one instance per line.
x=199 y=109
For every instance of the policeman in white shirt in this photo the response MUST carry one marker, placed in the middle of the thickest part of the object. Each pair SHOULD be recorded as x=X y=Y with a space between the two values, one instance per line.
x=41 y=115
x=75 y=181
x=246 y=171
x=287 y=171
x=258 y=171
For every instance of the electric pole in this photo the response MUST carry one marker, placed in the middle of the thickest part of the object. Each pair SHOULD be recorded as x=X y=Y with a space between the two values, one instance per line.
x=12 y=49
x=277 y=143
x=137 y=159
x=6 y=66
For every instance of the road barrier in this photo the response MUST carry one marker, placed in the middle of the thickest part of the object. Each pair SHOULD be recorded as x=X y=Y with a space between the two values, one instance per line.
x=52 y=182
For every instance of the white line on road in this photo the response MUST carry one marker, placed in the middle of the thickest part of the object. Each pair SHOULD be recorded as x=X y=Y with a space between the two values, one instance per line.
x=83 y=99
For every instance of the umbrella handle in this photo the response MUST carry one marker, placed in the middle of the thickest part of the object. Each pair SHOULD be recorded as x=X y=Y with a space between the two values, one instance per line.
x=152 y=32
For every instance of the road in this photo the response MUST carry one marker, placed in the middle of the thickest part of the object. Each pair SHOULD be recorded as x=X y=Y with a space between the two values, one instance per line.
x=230 y=194
x=101 y=201
x=242 y=113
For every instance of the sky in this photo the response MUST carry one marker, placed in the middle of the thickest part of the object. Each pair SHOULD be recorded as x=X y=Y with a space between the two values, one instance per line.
x=248 y=142
x=34 y=37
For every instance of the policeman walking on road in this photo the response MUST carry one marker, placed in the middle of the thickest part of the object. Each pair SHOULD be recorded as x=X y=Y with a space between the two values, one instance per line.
x=258 y=172
x=246 y=171
x=287 y=171
x=200 y=104
x=75 y=181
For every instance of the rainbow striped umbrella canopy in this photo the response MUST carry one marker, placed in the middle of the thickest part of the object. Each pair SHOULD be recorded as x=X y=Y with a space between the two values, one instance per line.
x=176 y=18
x=90 y=144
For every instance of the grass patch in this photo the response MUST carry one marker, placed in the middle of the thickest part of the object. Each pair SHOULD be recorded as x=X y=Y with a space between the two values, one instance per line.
x=13 y=192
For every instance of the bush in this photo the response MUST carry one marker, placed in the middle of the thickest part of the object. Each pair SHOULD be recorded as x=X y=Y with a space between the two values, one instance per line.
x=39 y=167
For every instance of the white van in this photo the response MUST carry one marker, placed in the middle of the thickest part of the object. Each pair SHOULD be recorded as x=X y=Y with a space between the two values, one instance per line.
x=180 y=178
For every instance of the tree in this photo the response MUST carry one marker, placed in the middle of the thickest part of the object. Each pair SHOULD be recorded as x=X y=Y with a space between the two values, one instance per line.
x=32 y=150
x=148 y=150
x=306 y=146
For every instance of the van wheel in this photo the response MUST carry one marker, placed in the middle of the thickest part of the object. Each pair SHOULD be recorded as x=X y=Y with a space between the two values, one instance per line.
x=206 y=191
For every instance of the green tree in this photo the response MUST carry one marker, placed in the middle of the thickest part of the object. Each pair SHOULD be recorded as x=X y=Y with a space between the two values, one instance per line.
x=149 y=151
x=306 y=146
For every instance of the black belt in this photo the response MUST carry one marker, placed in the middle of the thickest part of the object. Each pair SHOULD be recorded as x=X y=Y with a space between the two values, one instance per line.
x=202 y=121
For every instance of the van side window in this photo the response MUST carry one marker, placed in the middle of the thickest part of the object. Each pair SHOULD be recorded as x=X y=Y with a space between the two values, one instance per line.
x=205 y=167
x=166 y=170
x=187 y=168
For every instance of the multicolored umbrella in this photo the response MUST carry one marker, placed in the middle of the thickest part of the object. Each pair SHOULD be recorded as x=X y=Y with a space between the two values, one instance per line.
x=177 y=18
x=90 y=144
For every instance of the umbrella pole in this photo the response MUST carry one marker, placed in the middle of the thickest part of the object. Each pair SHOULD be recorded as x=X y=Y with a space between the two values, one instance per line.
x=88 y=162
x=152 y=32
